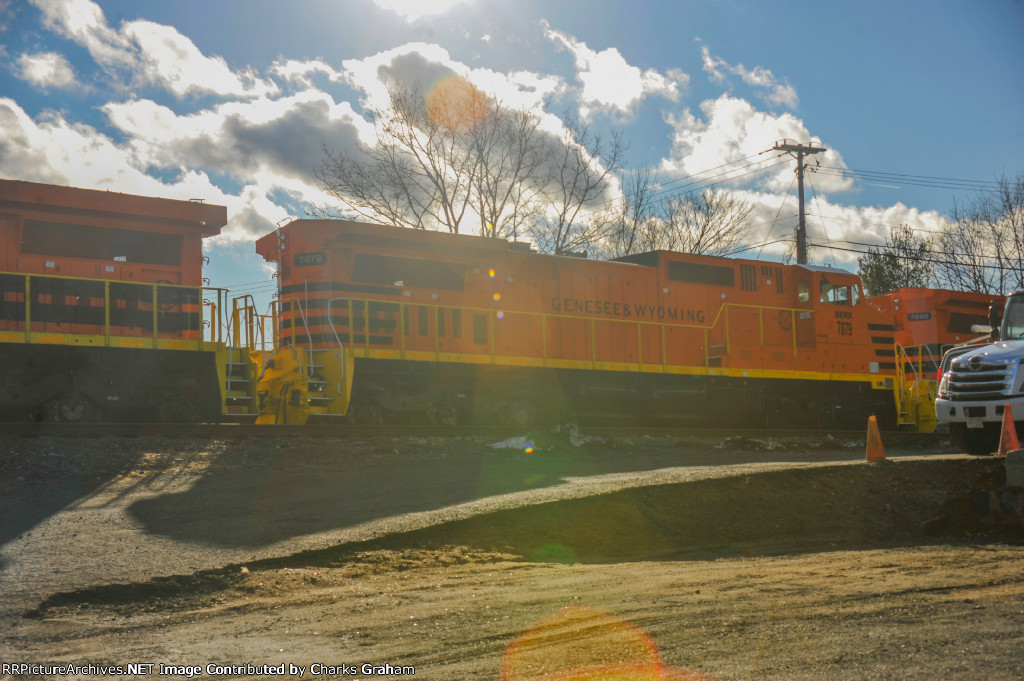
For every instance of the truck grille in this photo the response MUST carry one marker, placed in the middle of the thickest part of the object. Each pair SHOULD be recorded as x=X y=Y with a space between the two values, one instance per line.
x=988 y=380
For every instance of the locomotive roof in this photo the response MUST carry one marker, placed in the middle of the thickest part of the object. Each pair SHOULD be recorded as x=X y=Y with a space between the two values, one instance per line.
x=47 y=198
x=824 y=268
x=367 y=233
x=653 y=258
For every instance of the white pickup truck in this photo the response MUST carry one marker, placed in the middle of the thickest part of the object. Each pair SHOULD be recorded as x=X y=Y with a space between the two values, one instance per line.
x=977 y=382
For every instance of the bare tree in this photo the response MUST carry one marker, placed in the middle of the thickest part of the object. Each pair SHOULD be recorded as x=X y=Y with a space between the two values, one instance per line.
x=453 y=154
x=633 y=228
x=710 y=222
x=982 y=246
x=422 y=170
x=903 y=261
x=580 y=170
x=508 y=149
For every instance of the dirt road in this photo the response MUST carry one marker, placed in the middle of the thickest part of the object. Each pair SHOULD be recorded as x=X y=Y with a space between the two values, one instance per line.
x=662 y=558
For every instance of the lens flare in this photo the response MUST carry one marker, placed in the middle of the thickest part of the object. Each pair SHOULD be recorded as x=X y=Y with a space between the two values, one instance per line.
x=497 y=297
x=501 y=315
x=582 y=644
x=455 y=103
x=490 y=273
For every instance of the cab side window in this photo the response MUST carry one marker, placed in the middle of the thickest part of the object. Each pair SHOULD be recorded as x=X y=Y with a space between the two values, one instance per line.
x=834 y=295
x=803 y=292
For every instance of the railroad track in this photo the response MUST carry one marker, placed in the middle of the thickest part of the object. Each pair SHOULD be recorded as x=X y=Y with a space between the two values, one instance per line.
x=244 y=431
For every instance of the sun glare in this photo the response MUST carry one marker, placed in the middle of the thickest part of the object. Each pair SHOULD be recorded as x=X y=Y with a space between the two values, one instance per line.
x=411 y=10
x=456 y=103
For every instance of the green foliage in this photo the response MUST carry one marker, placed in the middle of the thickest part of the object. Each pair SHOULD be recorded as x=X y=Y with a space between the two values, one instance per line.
x=901 y=262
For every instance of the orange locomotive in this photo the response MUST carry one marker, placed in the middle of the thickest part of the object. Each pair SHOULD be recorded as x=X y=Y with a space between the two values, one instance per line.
x=930 y=321
x=388 y=324
x=101 y=306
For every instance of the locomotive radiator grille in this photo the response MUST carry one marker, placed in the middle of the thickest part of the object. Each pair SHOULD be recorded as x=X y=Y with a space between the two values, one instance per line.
x=989 y=379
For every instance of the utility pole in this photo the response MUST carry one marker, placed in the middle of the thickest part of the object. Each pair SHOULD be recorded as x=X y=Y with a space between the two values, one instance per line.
x=799 y=150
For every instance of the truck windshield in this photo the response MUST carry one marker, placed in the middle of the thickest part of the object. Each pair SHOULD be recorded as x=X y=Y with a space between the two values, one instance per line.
x=1013 y=319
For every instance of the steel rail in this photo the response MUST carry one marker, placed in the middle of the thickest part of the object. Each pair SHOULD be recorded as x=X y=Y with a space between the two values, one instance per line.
x=244 y=431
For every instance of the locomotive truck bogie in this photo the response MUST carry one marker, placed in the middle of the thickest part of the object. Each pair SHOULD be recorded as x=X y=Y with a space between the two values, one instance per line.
x=46 y=383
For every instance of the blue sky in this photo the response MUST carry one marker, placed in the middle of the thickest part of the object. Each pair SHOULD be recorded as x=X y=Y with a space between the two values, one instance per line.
x=230 y=101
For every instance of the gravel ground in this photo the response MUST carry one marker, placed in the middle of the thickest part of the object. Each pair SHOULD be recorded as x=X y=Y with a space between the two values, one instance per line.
x=739 y=559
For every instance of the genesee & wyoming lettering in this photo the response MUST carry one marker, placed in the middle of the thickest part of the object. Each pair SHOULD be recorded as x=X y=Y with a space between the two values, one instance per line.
x=632 y=310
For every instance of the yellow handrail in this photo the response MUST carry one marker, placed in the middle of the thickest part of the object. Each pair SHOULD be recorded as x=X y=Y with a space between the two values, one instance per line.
x=591 y=321
x=29 y=303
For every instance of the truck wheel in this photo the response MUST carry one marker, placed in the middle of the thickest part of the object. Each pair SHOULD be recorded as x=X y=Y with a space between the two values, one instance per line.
x=975 y=441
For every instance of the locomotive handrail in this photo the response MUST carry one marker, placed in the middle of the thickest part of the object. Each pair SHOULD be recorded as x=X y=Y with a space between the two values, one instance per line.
x=71 y=334
x=341 y=347
x=589 y=320
x=295 y=303
x=246 y=316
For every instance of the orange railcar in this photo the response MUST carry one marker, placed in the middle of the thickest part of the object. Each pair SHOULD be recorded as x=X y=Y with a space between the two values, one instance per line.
x=101 y=304
x=465 y=328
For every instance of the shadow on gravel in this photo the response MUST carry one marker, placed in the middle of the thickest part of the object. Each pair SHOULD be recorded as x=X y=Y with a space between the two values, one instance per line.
x=262 y=491
x=796 y=510
x=309 y=487
x=791 y=511
x=41 y=476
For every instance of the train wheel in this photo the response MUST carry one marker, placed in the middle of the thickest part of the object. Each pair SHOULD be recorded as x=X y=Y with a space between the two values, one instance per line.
x=443 y=414
x=518 y=413
x=975 y=441
x=367 y=415
x=179 y=412
x=71 y=409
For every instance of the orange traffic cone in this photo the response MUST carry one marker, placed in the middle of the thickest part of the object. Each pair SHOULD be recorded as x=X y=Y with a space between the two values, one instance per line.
x=875 y=452
x=1008 y=438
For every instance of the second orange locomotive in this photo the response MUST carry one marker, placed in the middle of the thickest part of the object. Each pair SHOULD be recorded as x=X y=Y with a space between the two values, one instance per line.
x=393 y=325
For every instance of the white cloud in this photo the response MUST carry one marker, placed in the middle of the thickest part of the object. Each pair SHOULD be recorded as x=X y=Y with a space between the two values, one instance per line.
x=301 y=71
x=834 y=230
x=45 y=69
x=281 y=137
x=83 y=22
x=425 y=64
x=760 y=78
x=56 y=151
x=170 y=60
x=731 y=129
x=411 y=10
x=148 y=53
x=610 y=83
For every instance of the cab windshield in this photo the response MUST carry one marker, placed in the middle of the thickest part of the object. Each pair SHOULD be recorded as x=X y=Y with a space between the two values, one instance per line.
x=1013 y=319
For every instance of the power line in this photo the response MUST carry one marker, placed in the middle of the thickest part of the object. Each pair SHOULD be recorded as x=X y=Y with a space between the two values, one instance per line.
x=824 y=230
x=781 y=206
x=703 y=172
x=249 y=283
x=906 y=181
x=705 y=183
x=920 y=259
x=992 y=183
